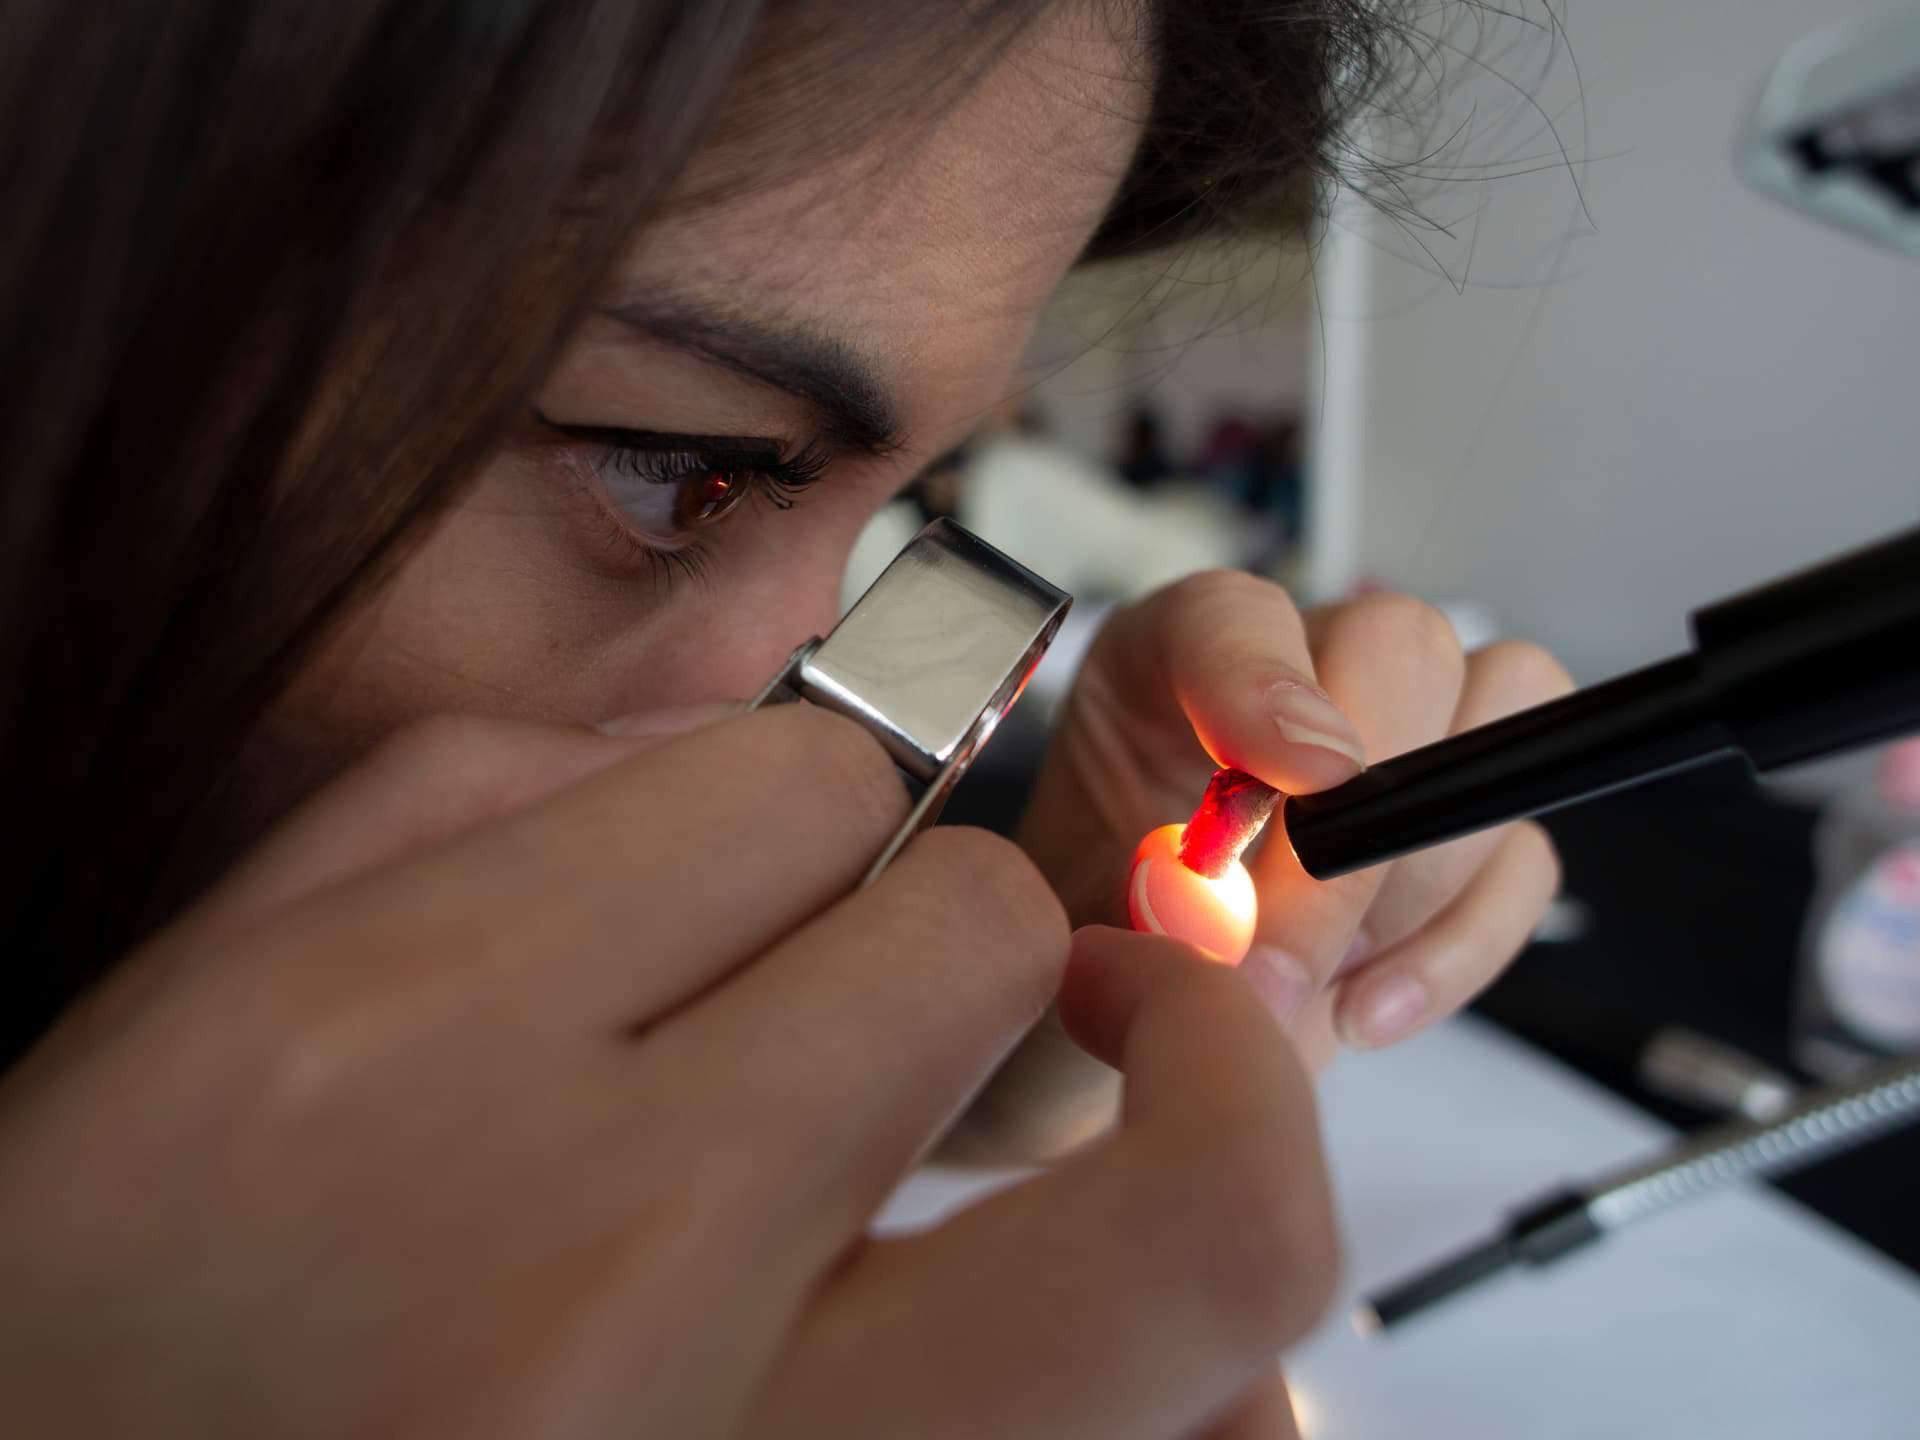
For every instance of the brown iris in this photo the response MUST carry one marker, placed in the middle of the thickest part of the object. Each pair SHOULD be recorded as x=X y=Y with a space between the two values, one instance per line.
x=703 y=499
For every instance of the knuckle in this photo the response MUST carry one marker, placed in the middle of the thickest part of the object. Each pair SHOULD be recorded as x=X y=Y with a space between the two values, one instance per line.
x=1538 y=845
x=1208 y=988
x=1001 y=904
x=832 y=759
x=1417 y=889
x=1527 y=669
x=1207 y=587
x=995 y=865
x=1412 y=627
x=1219 y=602
x=1270 y=1248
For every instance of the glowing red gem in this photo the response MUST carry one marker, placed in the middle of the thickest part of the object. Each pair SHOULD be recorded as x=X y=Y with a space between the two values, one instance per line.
x=1232 y=814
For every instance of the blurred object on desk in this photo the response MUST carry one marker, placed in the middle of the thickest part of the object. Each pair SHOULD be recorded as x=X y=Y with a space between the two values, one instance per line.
x=1742 y=1315
x=1819 y=1123
x=1696 y=888
x=1857 y=999
x=1067 y=517
x=1073 y=521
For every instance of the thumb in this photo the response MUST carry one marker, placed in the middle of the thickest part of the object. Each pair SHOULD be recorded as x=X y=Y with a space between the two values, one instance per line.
x=421 y=786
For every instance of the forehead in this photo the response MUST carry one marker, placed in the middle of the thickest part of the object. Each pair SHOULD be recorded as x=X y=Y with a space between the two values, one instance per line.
x=928 y=234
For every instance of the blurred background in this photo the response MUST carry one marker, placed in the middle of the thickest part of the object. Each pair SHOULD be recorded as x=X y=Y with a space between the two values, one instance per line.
x=1585 y=344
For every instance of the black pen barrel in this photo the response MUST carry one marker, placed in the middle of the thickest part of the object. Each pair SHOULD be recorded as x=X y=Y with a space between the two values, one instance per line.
x=1819 y=662
x=1808 y=666
x=1648 y=723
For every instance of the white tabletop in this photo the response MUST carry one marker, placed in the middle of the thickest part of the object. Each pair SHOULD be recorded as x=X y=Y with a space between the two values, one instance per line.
x=1737 y=1315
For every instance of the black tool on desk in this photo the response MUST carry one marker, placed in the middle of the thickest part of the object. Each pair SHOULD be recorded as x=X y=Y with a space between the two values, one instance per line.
x=1809 y=666
x=1821 y=1123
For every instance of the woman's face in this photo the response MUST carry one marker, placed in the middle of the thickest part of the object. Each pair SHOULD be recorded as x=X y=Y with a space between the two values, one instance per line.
x=762 y=374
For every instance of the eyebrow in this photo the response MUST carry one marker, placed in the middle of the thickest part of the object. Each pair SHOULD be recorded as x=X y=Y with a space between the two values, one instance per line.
x=842 y=389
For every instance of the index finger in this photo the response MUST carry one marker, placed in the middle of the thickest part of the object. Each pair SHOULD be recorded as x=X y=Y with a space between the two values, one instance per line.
x=632 y=890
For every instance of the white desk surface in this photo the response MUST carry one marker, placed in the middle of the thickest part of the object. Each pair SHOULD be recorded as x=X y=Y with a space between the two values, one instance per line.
x=1737 y=1315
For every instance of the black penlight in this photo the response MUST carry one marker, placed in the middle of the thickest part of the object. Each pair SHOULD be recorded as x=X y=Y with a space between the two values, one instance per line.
x=1811 y=665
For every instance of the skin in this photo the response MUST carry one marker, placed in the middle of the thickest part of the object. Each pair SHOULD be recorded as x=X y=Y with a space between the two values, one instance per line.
x=418 y=1149
x=932 y=259
x=477 y=1100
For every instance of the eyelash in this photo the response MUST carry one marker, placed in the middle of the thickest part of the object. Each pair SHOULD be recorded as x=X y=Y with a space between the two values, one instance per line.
x=777 y=480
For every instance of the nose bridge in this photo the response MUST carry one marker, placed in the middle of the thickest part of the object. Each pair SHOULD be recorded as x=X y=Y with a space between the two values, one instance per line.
x=750 y=630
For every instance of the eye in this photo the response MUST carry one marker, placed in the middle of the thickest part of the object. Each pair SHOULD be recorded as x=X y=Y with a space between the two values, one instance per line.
x=668 y=494
x=659 y=491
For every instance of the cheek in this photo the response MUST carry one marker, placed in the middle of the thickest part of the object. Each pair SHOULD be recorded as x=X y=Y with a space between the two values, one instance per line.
x=725 y=645
x=494 y=615
x=724 y=638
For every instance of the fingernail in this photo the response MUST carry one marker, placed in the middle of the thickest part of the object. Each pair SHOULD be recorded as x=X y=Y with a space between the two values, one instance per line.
x=1283 y=982
x=664 y=720
x=1384 y=1012
x=1306 y=717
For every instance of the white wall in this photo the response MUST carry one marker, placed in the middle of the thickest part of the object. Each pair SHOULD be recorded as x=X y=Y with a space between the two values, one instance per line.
x=1701 y=389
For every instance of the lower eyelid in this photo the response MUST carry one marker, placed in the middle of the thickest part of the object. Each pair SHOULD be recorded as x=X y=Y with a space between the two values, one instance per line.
x=587 y=498
x=626 y=547
x=648 y=506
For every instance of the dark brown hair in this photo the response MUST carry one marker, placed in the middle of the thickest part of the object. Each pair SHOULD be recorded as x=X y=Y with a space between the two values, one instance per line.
x=276 y=273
